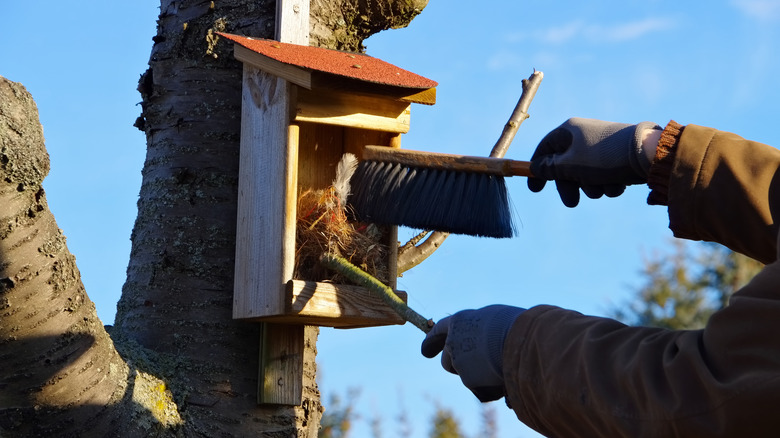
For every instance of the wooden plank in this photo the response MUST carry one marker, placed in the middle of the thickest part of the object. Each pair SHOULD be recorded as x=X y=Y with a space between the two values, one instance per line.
x=264 y=173
x=392 y=244
x=352 y=110
x=265 y=245
x=280 y=376
x=290 y=203
x=425 y=97
x=292 y=21
x=395 y=141
x=326 y=81
x=347 y=305
x=355 y=140
x=296 y=75
x=282 y=347
x=319 y=152
x=333 y=305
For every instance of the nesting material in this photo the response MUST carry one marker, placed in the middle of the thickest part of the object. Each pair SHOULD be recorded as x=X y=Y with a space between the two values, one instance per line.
x=324 y=226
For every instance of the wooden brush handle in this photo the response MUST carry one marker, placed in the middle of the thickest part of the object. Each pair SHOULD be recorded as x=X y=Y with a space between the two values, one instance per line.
x=459 y=163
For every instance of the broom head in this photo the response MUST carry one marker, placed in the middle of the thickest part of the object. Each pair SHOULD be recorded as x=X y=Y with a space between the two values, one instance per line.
x=452 y=201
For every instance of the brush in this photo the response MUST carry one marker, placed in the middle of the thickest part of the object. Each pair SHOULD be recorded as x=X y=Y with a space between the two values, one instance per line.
x=442 y=192
x=433 y=191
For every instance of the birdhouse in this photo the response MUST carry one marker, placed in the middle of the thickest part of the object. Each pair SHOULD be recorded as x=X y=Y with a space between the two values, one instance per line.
x=303 y=108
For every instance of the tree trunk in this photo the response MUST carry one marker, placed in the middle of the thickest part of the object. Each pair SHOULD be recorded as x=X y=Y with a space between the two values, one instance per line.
x=59 y=372
x=186 y=367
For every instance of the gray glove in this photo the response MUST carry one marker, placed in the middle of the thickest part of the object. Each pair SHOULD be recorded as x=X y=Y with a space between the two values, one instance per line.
x=472 y=342
x=601 y=158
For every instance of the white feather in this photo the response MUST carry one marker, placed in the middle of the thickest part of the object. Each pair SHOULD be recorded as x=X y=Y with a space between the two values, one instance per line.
x=344 y=171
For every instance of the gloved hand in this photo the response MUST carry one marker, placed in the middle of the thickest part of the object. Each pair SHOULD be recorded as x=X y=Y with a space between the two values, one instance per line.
x=601 y=158
x=472 y=342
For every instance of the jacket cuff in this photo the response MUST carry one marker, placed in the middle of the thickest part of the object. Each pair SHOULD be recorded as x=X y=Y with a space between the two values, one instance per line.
x=661 y=169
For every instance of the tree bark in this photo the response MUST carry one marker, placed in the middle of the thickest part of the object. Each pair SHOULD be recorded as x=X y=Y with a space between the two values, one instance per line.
x=60 y=374
x=176 y=362
x=344 y=24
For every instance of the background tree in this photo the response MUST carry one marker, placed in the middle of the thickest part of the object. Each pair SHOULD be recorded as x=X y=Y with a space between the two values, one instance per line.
x=175 y=362
x=339 y=415
x=682 y=289
x=445 y=425
x=489 y=424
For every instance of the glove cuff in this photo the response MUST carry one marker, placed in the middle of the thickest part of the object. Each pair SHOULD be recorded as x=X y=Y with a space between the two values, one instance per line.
x=497 y=329
x=661 y=170
x=638 y=159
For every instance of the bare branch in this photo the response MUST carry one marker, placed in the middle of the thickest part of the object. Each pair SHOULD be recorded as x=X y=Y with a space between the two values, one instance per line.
x=412 y=257
x=519 y=115
x=415 y=255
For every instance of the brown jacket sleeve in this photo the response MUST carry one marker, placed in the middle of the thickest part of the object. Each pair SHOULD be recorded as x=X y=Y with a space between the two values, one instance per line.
x=573 y=375
x=725 y=189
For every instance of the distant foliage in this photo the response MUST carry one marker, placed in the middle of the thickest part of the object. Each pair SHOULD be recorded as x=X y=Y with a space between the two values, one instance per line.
x=338 y=416
x=341 y=415
x=682 y=289
x=489 y=422
x=404 y=423
x=376 y=426
x=445 y=425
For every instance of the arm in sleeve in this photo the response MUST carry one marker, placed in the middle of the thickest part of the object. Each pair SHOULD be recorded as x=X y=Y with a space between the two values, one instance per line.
x=568 y=374
x=720 y=187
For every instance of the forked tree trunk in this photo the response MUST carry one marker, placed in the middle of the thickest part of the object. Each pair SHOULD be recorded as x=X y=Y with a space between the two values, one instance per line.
x=186 y=367
x=59 y=371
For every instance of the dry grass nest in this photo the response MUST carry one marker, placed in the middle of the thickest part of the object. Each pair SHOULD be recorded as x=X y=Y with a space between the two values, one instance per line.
x=323 y=226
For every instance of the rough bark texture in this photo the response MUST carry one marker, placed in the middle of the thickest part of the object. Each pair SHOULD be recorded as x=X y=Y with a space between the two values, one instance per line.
x=59 y=372
x=344 y=24
x=186 y=367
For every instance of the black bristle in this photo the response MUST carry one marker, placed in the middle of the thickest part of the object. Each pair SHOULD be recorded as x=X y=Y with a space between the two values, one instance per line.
x=456 y=202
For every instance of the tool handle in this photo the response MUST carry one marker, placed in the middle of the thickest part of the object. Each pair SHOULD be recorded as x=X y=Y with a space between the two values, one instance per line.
x=518 y=168
x=458 y=163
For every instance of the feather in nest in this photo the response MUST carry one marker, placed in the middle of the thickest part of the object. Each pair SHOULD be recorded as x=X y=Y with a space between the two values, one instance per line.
x=323 y=226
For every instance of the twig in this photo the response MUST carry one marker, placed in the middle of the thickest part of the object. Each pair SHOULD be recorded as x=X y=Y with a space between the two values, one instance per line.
x=413 y=241
x=519 y=115
x=413 y=256
x=347 y=269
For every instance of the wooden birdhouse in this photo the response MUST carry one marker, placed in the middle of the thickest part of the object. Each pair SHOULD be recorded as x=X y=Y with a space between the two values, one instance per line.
x=303 y=108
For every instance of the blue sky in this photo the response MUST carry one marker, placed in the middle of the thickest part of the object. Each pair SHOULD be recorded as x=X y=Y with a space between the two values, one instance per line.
x=709 y=63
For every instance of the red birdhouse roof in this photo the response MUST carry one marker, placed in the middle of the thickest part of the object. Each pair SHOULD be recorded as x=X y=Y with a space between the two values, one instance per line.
x=309 y=59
